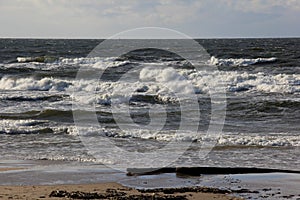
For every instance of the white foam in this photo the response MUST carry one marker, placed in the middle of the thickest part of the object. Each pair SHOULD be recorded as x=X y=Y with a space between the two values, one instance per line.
x=244 y=81
x=94 y=62
x=24 y=59
x=44 y=84
x=257 y=140
x=223 y=139
x=161 y=135
x=83 y=60
x=20 y=126
x=239 y=61
x=100 y=62
x=169 y=78
x=161 y=83
x=76 y=158
x=46 y=63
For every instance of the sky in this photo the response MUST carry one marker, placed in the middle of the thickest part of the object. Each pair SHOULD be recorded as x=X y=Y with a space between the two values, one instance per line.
x=104 y=18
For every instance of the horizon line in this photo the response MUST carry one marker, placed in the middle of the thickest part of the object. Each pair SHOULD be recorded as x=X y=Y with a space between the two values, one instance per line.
x=195 y=38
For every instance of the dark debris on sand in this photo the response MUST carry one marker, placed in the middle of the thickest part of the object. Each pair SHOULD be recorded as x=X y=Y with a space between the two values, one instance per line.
x=196 y=190
x=113 y=194
x=145 y=194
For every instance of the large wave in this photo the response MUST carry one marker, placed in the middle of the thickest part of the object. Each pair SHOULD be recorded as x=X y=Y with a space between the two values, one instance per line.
x=158 y=81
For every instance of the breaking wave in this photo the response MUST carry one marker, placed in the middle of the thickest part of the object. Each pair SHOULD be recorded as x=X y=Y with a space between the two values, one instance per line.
x=225 y=139
x=93 y=60
x=158 y=81
x=263 y=141
x=39 y=59
x=44 y=84
x=240 y=62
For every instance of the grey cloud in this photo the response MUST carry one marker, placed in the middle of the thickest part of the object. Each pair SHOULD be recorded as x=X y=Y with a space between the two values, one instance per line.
x=94 y=18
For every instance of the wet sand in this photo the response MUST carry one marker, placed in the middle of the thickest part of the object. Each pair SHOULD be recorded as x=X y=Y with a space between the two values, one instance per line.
x=108 y=190
x=54 y=180
x=103 y=190
x=9 y=169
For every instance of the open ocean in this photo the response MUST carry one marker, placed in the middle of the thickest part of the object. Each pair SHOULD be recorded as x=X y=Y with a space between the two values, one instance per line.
x=262 y=82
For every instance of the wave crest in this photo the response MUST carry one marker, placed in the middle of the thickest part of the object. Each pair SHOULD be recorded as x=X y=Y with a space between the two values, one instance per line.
x=240 y=62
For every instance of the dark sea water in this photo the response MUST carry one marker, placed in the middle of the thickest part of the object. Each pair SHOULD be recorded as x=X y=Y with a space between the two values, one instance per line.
x=261 y=79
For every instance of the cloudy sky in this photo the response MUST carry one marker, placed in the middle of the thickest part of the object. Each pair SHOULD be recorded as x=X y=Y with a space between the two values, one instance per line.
x=103 y=18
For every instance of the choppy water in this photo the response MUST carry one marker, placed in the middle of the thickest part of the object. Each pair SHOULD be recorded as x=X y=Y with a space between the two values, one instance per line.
x=262 y=83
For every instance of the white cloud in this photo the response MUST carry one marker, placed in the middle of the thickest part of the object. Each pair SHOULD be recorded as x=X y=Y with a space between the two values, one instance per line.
x=261 y=5
x=169 y=12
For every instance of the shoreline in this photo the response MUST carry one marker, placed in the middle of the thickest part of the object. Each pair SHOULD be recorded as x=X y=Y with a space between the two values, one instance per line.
x=106 y=191
x=40 y=178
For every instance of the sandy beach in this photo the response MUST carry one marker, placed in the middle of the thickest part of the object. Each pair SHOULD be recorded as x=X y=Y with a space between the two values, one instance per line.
x=98 y=191
x=105 y=190
x=60 y=180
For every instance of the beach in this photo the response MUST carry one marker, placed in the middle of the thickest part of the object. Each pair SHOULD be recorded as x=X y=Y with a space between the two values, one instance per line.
x=74 y=117
x=104 y=190
x=53 y=180
x=109 y=190
x=26 y=182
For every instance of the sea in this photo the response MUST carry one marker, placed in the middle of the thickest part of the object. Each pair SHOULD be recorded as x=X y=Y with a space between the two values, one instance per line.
x=151 y=103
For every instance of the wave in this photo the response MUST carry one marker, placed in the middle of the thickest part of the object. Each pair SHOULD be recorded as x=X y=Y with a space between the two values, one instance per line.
x=40 y=126
x=263 y=141
x=37 y=123
x=49 y=98
x=240 y=62
x=160 y=83
x=47 y=114
x=156 y=84
x=18 y=127
x=93 y=60
x=30 y=83
x=110 y=61
x=223 y=140
x=39 y=59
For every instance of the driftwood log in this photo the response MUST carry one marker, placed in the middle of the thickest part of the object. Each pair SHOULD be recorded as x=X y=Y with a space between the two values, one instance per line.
x=198 y=171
